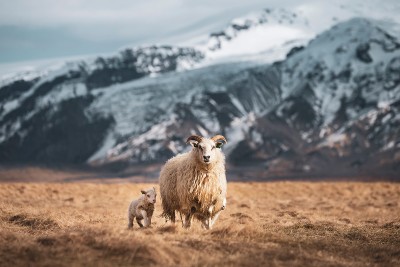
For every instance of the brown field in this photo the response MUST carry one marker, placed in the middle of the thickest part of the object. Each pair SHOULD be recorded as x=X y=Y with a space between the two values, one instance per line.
x=265 y=224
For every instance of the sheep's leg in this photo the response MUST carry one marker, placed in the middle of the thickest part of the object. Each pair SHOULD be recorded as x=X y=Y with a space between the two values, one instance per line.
x=130 y=221
x=189 y=217
x=172 y=217
x=214 y=219
x=204 y=224
x=139 y=222
x=209 y=219
x=188 y=220
x=145 y=218
x=180 y=215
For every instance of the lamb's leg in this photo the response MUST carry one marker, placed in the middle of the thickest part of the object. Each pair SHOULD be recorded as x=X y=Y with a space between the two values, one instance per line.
x=130 y=221
x=145 y=218
x=139 y=222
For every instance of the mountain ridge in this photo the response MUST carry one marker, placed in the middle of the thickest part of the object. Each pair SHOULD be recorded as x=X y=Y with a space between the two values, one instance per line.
x=326 y=106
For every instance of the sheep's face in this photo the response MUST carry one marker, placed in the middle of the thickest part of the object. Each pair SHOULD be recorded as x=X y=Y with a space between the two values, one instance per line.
x=150 y=195
x=206 y=150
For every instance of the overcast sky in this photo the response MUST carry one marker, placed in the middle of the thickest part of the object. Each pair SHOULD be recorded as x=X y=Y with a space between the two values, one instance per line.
x=36 y=29
x=47 y=28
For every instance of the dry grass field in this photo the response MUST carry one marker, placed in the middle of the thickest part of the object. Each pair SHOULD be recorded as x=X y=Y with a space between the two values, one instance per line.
x=265 y=224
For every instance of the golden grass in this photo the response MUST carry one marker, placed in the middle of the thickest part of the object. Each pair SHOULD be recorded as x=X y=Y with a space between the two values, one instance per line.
x=265 y=224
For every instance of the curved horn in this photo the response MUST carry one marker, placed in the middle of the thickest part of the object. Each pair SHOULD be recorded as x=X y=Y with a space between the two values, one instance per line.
x=219 y=138
x=195 y=138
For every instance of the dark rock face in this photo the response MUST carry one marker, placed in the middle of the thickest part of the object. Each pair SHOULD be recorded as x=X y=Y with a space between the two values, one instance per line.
x=70 y=137
x=392 y=74
x=362 y=53
x=15 y=89
x=132 y=64
x=294 y=50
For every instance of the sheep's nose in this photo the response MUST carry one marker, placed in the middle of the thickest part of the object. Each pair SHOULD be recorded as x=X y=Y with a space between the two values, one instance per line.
x=206 y=158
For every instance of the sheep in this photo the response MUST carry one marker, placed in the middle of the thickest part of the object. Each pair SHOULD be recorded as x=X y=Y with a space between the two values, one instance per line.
x=194 y=183
x=142 y=208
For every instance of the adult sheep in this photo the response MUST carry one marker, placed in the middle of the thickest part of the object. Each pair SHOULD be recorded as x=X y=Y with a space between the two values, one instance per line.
x=194 y=183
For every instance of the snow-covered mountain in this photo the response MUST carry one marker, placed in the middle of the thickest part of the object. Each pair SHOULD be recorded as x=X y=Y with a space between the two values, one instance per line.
x=340 y=103
x=330 y=105
x=269 y=29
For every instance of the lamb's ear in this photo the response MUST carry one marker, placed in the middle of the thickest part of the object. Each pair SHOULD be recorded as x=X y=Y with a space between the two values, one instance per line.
x=143 y=192
x=154 y=189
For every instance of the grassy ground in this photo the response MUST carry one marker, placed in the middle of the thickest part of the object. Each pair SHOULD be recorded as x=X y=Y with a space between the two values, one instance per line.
x=265 y=224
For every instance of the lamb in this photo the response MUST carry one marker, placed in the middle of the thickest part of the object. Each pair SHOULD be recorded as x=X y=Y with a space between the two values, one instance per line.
x=142 y=208
x=194 y=183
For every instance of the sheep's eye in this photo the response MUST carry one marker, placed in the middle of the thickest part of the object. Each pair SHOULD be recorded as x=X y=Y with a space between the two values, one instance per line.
x=200 y=148
x=148 y=195
x=195 y=145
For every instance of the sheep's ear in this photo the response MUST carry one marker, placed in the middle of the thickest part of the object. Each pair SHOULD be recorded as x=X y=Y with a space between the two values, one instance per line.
x=194 y=140
x=193 y=143
x=219 y=145
x=219 y=140
x=143 y=192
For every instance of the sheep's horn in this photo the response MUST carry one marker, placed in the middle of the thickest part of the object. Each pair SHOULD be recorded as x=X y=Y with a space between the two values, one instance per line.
x=195 y=138
x=219 y=138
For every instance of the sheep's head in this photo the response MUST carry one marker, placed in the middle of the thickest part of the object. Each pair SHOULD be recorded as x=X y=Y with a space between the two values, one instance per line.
x=150 y=195
x=206 y=150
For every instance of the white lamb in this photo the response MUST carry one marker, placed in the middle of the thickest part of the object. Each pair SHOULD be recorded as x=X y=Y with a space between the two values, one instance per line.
x=142 y=208
x=194 y=183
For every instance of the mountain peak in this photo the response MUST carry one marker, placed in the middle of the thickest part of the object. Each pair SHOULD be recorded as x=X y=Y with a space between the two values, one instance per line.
x=259 y=32
x=355 y=31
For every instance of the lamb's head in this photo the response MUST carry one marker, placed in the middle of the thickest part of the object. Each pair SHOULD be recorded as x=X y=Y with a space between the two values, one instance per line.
x=207 y=150
x=150 y=195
